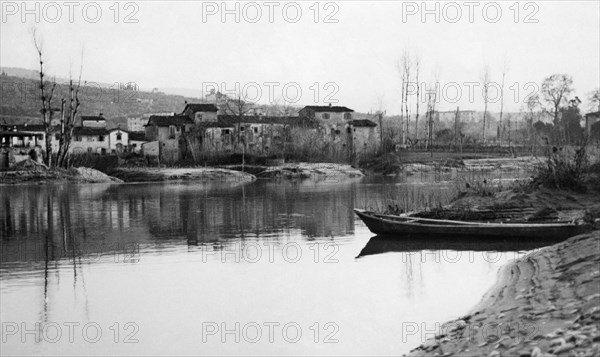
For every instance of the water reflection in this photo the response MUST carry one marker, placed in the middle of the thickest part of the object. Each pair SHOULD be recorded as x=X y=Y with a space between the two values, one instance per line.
x=414 y=243
x=171 y=256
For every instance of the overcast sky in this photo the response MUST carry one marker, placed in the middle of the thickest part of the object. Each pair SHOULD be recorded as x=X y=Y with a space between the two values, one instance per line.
x=353 y=45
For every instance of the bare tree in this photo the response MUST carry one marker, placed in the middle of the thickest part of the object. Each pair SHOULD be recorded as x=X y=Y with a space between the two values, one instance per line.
x=555 y=90
x=431 y=100
x=406 y=64
x=403 y=80
x=533 y=103
x=238 y=107
x=594 y=98
x=67 y=122
x=485 y=78
x=456 y=135
x=46 y=98
x=501 y=128
x=418 y=88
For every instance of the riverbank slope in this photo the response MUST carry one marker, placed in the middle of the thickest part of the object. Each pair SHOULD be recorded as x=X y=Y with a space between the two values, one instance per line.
x=544 y=304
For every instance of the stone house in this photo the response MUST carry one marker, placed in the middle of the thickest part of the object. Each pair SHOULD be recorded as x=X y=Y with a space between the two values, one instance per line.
x=591 y=119
x=327 y=113
x=118 y=141
x=262 y=134
x=163 y=128
x=93 y=121
x=365 y=138
x=90 y=140
x=200 y=112
x=165 y=135
x=137 y=124
x=136 y=140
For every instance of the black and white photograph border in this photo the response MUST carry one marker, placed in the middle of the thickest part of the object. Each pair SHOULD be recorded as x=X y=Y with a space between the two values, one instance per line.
x=300 y=178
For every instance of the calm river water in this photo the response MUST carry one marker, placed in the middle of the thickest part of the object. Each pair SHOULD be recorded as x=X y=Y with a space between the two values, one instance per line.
x=264 y=268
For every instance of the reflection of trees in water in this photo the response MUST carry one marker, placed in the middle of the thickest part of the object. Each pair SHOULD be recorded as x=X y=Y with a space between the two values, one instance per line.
x=102 y=217
x=255 y=210
x=105 y=217
x=54 y=238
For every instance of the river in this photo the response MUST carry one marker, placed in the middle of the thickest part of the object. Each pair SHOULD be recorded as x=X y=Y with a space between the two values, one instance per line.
x=261 y=268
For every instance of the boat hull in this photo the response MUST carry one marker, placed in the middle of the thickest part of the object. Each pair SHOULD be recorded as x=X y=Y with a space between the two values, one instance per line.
x=402 y=226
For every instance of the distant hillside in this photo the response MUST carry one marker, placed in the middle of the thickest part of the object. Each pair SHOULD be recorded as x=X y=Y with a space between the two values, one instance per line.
x=20 y=98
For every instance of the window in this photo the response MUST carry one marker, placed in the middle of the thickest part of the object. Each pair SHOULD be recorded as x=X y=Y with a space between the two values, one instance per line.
x=225 y=132
x=77 y=138
x=119 y=137
x=255 y=130
x=347 y=116
x=56 y=136
x=325 y=116
x=242 y=128
x=198 y=116
x=101 y=138
x=171 y=132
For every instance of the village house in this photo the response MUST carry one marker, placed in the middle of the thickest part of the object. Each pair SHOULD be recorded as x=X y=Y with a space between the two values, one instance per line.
x=201 y=112
x=165 y=137
x=326 y=113
x=591 y=120
x=137 y=124
x=200 y=128
x=163 y=128
x=118 y=141
x=337 y=124
x=93 y=136
x=365 y=138
x=136 y=140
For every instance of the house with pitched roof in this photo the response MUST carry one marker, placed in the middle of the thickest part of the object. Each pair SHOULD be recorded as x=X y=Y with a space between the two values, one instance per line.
x=327 y=113
x=167 y=127
x=200 y=112
x=339 y=125
x=592 y=120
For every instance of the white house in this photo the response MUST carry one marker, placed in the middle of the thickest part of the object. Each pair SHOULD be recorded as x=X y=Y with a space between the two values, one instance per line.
x=118 y=140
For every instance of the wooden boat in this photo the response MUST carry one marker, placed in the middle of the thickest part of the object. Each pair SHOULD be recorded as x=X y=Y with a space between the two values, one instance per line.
x=407 y=225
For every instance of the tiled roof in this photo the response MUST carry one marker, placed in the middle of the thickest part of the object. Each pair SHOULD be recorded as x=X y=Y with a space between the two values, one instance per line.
x=252 y=119
x=137 y=136
x=362 y=122
x=84 y=130
x=36 y=128
x=93 y=118
x=160 y=120
x=200 y=107
x=326 y=108
x=118 y=129
x=216 y=124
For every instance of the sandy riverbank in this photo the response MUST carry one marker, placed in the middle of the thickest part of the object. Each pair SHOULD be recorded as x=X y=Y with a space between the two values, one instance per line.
x=544 y=304
x=302 y=170
x=44 y=175
x=150 y=174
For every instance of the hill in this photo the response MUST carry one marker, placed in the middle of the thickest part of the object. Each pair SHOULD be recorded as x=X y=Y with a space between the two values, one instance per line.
x=20 y=98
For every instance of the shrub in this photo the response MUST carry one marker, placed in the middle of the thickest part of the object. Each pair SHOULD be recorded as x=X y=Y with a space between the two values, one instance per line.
x=563 y=168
